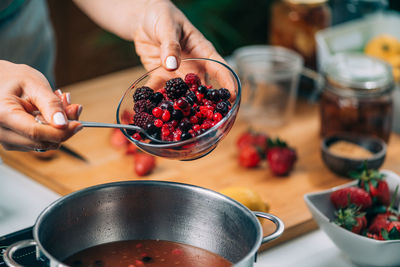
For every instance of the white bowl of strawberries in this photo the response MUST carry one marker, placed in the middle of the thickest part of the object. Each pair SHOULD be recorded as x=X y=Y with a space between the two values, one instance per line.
x=362 y=218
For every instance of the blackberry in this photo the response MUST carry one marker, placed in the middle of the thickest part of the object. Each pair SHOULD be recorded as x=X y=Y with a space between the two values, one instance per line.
x=202 y=89
x=224 y=94
x=143 y=92
x=213 y=95
x=142 y=119
x=156 y=98
x=177 y=114
x=144 y=105
x=191 y=97
x=222 y=108
x=175 y=88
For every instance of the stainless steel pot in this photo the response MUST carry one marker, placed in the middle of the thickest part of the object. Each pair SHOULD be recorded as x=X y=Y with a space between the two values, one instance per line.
x=147 y=210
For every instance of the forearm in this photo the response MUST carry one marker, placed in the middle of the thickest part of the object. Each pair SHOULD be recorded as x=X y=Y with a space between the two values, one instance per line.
x=117 y=16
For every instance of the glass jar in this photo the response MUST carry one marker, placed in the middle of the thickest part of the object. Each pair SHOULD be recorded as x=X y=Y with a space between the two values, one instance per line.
x=357 y=98
x=294 y=24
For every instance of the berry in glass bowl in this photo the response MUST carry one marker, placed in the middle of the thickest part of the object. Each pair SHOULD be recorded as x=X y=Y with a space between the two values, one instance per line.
x=190 y=109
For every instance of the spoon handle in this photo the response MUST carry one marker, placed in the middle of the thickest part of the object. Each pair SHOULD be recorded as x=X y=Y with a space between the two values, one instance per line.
x=109 y=125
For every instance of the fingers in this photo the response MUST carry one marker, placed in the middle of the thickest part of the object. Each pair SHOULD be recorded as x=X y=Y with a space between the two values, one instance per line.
x=49 y=104
x=169 y=34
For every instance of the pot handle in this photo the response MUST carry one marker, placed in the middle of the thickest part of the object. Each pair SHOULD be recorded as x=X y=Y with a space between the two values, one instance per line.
x=280 y=226
x=9 y=253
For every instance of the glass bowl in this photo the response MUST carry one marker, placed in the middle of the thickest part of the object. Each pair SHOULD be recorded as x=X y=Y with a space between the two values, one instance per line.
x=211 y=72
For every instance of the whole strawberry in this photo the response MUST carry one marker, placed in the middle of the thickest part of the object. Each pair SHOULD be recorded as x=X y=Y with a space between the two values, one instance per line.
x=344 y=197
x=379 y=222
x=351 y=219
x=249 y=157
x=253 y=138
x=144 y=163
x=373 y=182
x=281 y=158
x=392 y=232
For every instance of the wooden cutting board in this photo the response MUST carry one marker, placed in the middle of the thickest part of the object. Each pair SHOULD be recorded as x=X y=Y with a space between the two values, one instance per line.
x=219 y=169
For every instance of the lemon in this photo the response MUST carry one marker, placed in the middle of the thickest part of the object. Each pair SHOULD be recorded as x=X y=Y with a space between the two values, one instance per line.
x=383 y=46
x=249 y=198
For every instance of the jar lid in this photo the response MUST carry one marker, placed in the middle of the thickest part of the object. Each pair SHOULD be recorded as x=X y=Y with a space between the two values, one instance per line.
x=306 y=2
x=359 y=73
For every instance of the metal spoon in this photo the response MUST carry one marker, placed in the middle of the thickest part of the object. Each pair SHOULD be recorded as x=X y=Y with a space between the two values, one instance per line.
x=39 y=118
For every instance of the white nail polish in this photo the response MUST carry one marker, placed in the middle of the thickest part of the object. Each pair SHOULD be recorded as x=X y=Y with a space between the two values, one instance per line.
x=68 y=97
x=58 y=92
x=78 y=128
x=59 y=119
x=171 y=63
x=79 y=110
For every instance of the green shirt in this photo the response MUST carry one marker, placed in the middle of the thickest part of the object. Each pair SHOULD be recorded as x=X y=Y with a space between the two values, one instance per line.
x=8 y=7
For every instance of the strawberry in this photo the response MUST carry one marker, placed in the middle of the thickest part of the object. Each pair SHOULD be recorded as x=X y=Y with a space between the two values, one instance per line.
x=351 y=219
x=281 y=158
x=118 y=139
x=131 y=149
x=351 y=195
x=251 y=137
x=249 y=157
x=392 y=232
x=372 y=181
x=144 y=163
x=380 y=221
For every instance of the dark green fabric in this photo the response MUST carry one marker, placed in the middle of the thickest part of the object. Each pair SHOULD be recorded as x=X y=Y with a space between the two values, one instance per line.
x=11 y=8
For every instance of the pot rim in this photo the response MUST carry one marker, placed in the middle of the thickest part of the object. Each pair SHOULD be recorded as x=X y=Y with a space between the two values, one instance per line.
x=246 y=212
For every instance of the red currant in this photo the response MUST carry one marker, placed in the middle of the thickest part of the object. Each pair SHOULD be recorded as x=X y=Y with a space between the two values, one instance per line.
x=166 y=115
x=194 y=120
x=157 y=112
x=137 y=136
x=217 y=117
x=158 y=123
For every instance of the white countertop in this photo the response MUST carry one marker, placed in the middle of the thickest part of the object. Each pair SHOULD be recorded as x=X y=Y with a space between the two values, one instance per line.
x=22 y=199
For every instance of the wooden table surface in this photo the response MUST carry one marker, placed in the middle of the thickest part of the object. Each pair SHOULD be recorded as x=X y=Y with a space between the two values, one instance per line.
x=219 y=169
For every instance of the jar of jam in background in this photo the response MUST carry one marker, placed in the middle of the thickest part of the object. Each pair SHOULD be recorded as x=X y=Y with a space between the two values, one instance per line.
x=294 y=24
x=357 y=97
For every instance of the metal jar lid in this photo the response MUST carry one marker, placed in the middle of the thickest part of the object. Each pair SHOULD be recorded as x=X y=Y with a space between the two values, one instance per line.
x=355 y=74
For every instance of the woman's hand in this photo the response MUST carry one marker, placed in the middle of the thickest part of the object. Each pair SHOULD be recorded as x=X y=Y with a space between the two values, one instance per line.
x=24 y=92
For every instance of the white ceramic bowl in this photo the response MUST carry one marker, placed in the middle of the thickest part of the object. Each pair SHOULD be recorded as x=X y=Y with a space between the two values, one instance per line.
x=361 y=250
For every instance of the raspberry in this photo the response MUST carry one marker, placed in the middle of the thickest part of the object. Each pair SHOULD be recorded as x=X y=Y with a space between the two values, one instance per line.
x=217 y=117
x=142 y=119
x=176 y=88
x=192 y=79
x=158 y=123
x=143 y=93
x=144 y=105
x=224 y=94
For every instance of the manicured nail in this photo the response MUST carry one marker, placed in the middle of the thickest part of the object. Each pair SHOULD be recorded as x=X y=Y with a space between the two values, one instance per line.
x=59 y=119
x=68 y=97
x=78 y=128
x=58 y=92
x=79 y=110
x=171 y=63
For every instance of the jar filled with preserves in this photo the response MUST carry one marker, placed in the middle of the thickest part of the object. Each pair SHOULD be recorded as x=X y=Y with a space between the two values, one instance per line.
x=294 y=24
x=357 y=97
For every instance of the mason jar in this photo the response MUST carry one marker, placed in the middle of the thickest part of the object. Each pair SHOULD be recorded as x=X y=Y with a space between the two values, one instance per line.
x=293 y=25
x=357 y=97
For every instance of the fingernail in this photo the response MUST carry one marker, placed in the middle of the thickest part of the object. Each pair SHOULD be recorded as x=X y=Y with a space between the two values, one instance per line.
x=58 y=92
x=59 y=119
x=79 y=110
x=78 y=128
x=68 y=97
x=171 y=63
